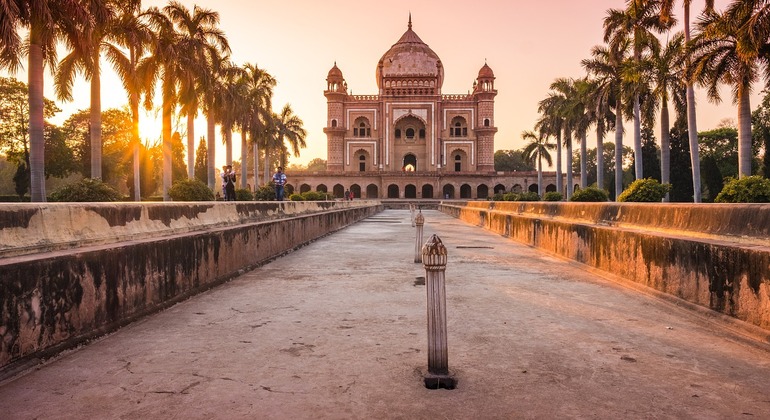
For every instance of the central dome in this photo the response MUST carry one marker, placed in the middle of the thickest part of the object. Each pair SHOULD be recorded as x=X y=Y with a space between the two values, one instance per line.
x=410 y=57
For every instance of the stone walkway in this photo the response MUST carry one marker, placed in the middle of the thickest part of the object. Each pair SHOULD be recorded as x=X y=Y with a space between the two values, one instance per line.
x=337 y=329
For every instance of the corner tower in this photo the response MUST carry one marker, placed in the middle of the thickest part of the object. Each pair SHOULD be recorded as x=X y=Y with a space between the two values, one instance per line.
x=484 y=95
x=336 y=93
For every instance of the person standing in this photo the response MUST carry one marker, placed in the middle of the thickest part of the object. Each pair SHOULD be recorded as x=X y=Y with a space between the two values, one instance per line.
x=279 y=180
x=228 y=183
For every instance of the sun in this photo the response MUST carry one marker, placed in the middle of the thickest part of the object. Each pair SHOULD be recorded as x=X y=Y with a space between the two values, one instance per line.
x=150 y=127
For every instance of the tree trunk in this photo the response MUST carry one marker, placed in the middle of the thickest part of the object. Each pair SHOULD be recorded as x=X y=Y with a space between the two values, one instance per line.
x=559 y=181
x=134 y=104
x=600 y=155
x=540 y=191
x=166 y=122
x=618 y=150
x=692 y=126
x=191 y=145
x=744 y=133
x=568 y=143
x=638 y=164
x=244 y=159
x=583 y=157
x=36 y=118
x=228 y=146
x=267 y=163
x=211 y=146
x=665 y=147
x=256 y=165
x=95 y=126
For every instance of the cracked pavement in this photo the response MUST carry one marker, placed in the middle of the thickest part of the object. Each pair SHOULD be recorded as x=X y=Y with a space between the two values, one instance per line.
x=337 y=329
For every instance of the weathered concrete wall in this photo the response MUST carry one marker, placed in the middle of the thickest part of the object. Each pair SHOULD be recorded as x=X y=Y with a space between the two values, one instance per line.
x=715 y=256
x=91 y=268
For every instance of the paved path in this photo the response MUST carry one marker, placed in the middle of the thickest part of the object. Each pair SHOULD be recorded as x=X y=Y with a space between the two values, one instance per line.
x=337 y=329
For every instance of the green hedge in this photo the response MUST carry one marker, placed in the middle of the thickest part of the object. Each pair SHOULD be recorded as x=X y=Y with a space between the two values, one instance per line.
x=590 y=194
x=647 y=190
x=86 y=190
x=190 y=190
x=749 y=189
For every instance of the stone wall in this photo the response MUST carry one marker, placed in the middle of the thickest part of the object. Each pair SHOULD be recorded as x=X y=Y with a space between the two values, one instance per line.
x=714 y=256
x=70 y=272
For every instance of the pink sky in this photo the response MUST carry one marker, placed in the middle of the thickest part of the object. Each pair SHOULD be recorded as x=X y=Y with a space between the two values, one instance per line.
x=528 y=44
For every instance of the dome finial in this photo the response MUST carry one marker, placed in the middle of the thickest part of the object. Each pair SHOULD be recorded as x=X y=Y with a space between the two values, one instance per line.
x=410 y=20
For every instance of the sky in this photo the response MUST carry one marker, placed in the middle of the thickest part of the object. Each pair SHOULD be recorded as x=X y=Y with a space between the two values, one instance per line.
x=527 y=44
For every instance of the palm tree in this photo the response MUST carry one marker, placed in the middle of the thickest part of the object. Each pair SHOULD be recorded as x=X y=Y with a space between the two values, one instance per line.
x=200 y=38
x=210 y=86
x=257 y=115
x=551 y=123
x=566 y=104
x=167 y=62
x=692 y=127
x=537 y=149
x=132 y=34
x=583 y=117
x=289 y=129
x=667 y=68
x=47 y=21
x=601 y=95
x=607 y=65
x=635 y=23
x=723 y=53
x=85 y=55
x=228 y=104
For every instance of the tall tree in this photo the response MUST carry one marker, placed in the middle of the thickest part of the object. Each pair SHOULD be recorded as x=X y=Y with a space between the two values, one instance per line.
x=47 y=22
x=289 y=132
x=667 y=67
x=200 y=37
x=606 y=64
x=723 y=53
x=692 y=126
x=85 y=55
x=200 y=161
x=551 y=123
x=130 y=34
x=167 y=62
x=256 y=116
x=760 y=128
x=535 y=151
x=636 y=24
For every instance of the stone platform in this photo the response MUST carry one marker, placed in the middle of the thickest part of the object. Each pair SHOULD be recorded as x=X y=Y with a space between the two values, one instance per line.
x=337 y=329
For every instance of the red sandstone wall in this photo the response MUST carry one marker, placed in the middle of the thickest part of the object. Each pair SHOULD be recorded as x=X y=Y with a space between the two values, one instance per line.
x=53 y=300
x=713 y=256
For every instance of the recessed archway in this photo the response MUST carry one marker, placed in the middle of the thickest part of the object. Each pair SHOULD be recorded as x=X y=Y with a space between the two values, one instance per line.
x=465 y=191
x=448 y=191
x=410 y=191
x=427 y=191
x=355 y=191
x=372 y=191
x=482 y=191
x=393 y=191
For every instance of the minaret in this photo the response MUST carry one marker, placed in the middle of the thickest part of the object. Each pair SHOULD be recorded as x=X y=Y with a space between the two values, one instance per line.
x=484 y=96
x=336 y=92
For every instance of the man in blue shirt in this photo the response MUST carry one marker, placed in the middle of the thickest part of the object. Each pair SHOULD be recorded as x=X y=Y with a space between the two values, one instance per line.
x=279 y=180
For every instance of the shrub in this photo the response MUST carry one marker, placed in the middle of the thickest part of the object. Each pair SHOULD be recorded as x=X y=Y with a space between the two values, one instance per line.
x=590 y=194
x=498 y=197
x=749 y=189
x=86 y=190
x=553 y=196
x=528 y=196
x=511 y=196
x=296 y=197
x=647 y=190
x=190 y=190
x=243 y=195
x=265 y=193
x=315 y=196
